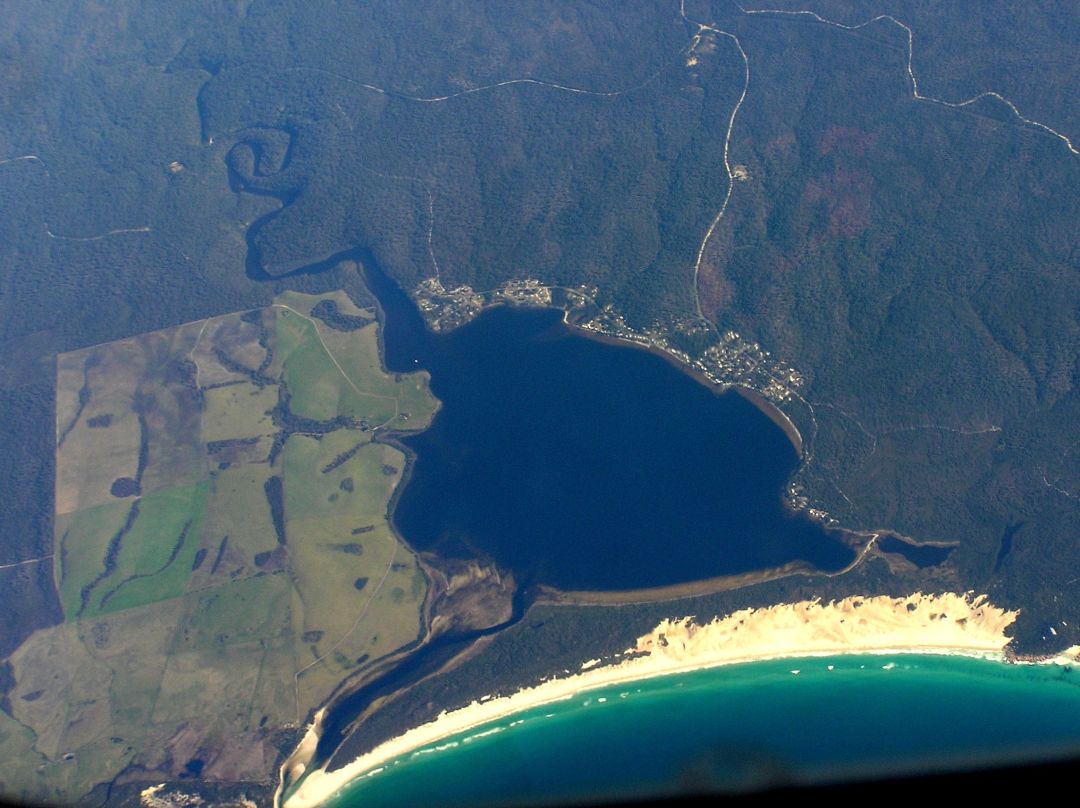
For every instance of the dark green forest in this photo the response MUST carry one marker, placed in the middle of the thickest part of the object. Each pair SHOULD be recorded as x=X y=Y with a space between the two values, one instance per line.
x=917 y=263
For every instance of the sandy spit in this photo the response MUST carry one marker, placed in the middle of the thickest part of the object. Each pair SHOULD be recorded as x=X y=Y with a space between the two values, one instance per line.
x=950 y=623
x=296 y=764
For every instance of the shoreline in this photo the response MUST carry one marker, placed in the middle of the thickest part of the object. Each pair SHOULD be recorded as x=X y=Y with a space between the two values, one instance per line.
x=861 y=543
x=947 y=624
x=752 y=395
x=763 y=405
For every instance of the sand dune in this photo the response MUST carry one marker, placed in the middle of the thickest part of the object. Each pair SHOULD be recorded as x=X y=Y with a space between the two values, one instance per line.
x=946 y=624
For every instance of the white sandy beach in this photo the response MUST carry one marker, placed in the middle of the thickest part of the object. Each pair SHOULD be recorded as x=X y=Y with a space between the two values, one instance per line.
x=952 y=624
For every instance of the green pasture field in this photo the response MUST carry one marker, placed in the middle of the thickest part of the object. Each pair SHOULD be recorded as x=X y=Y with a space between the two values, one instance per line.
x=163 y=543
x=238 y=411
x=237 y=510
x=318 y=383
x=82 y=541
x=199 y=621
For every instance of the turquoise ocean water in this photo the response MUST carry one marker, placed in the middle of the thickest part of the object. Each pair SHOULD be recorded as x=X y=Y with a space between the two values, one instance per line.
x=744 y=726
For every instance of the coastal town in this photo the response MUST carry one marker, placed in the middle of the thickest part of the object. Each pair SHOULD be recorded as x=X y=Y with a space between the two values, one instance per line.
x=729 y=360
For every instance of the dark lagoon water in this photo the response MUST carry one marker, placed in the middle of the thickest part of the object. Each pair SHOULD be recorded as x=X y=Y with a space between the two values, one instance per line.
x=586 y=465
x=921 y=555
x=746 y=726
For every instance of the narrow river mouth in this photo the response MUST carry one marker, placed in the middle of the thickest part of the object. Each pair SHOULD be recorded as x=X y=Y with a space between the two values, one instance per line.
x=585 y=465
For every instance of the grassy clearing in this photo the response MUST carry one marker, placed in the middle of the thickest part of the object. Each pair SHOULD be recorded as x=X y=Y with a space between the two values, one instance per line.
x=242 y=611
x=82 y=541
x=327 y=587
x=92 y=457
x=165 y=649
x=175 y=453
x=361 y=591
x=134 y=644
x=357 y=627
x=274 y=696
x=238 y=411
x=318 y=390
x=60 y=690
x=393 y=619
x=69 y=380
x=97 y=756
x=355 y=493
x=212 y=681
x=355 y=355
x=318 y=386
x=134 y=688
x=357 y=362
x=25 y=783
x=237 y=509
x=416 y=407
x=328 y=558
x=358 y=354
x=112 y=433
x=355 y=581
x=154 y=560
x=237 y=340
x=305 y=303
